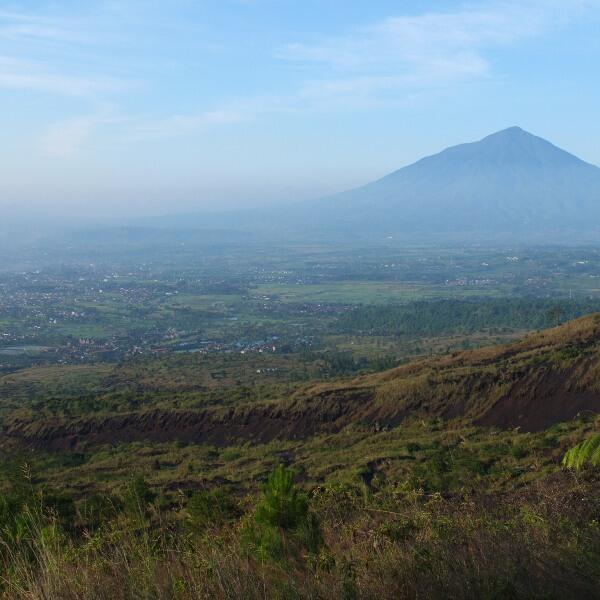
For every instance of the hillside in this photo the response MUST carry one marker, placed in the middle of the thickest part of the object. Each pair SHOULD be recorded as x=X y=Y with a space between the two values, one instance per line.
x=393 y=502
x=545 y=378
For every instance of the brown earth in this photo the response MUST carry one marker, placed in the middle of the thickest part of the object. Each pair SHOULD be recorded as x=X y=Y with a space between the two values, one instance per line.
x=547 y=377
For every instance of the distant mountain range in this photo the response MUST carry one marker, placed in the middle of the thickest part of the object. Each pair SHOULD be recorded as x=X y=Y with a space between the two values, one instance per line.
x=510 y=182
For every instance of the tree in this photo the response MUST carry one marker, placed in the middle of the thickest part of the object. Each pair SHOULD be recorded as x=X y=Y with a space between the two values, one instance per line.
x=555 y=314
x=282 y=505
x=282 y=520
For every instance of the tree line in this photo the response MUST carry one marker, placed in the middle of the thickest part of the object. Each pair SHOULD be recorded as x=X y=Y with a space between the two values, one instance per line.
x=440 y=317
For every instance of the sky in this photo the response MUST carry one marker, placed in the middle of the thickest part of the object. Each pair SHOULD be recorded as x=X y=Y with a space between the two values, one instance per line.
x=125 y=108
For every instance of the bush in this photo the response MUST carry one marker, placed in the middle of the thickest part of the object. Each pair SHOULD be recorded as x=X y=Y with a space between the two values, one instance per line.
x=433 y=474
x=211 y=508
x=585 y=453
x=137 y=497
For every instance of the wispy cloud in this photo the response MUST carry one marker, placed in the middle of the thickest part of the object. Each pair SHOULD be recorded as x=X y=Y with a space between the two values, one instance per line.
x=407 y=53
x=32 y=76
x=65 y=139
x=177 y=125
x=23 y=26
x=397 y=59
x=68 y=138
x=39 y=54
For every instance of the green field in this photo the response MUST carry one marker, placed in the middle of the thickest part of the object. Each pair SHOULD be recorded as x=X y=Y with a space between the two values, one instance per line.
x=363 y=292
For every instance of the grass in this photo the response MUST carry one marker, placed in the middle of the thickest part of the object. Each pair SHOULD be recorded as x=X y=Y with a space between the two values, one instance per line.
x=476 y=459
x=538 y=542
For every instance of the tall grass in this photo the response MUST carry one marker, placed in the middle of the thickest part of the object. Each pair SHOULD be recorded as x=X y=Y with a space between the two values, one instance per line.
x=541 y=542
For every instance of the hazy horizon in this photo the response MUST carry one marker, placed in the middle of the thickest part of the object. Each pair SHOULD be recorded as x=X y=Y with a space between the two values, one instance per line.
x=115 y=109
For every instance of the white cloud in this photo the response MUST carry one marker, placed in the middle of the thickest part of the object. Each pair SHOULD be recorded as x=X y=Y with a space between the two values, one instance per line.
x=64 y=140
x=396 y=59
x=26 y=75
x=177 y=125
x=37 y=51
x=22 y=26
x=408 y=53
x=68 y=138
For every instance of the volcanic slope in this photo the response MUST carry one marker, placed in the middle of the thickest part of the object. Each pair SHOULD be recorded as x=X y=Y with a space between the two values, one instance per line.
x=508 y=181
x=547 y=377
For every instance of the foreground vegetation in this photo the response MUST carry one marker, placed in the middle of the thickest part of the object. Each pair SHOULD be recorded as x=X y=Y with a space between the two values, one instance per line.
x=432 y=510
x=338 y=541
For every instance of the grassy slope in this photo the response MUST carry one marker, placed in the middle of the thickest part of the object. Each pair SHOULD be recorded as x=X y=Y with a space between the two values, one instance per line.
x=547 y=377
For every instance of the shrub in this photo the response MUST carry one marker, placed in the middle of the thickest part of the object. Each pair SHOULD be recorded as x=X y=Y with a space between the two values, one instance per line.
x=433 y=474
x=137 y=497
x=210 y=508
x=585 y=453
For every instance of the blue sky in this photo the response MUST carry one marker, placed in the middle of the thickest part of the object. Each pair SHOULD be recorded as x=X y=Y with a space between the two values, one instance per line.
x=126 y=107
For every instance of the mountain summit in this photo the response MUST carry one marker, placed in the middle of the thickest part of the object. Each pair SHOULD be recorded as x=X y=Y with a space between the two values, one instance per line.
x=508 y=181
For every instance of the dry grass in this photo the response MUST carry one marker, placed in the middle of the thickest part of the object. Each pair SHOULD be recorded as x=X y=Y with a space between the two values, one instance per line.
x=541 y=542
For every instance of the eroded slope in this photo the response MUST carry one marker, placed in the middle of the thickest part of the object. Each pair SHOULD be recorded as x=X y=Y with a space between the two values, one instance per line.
x=547 y=377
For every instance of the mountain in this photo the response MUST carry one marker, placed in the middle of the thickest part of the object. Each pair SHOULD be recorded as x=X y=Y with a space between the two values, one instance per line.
x=546 y=378
x=510 y=180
